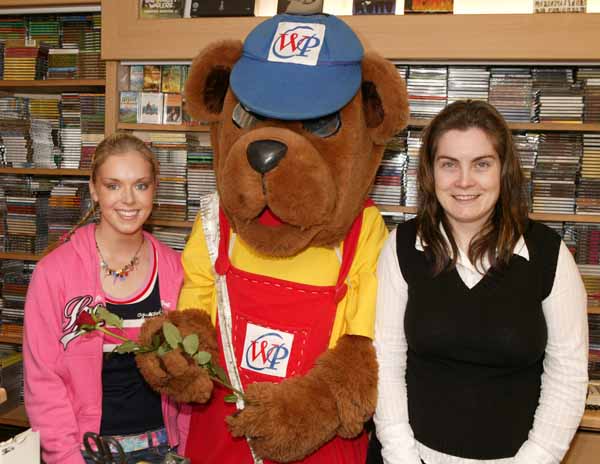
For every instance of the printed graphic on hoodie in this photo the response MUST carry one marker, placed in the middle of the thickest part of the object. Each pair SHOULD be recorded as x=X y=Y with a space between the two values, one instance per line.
x=71 y=311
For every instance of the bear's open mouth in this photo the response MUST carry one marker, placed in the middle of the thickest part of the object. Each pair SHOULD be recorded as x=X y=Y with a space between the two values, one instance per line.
x=269 y=219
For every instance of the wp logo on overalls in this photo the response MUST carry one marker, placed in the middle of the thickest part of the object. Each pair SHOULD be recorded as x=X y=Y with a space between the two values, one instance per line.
x=267 y=350
x=298 y=43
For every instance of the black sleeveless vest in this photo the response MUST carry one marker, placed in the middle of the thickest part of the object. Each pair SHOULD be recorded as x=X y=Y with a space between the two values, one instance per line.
x=475 y=355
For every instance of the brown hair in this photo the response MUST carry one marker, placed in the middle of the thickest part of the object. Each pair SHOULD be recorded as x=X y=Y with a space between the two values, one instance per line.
x=507 y=223
x=118 y=143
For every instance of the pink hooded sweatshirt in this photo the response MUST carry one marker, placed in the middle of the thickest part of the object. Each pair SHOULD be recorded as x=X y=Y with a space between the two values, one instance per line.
x=63 y=368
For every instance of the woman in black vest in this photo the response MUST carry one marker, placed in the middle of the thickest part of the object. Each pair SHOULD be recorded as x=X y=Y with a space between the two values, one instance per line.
x=481 y=330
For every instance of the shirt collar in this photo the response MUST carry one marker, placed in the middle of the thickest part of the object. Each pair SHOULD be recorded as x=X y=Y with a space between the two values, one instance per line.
x=519 y=249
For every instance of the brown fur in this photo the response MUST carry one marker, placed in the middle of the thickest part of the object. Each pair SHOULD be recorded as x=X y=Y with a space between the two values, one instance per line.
x=320 y=186
x=393 y=98
x=350 y=372
x=210 y=71
x=175 y=373
x=317 y=190
x=286 y=421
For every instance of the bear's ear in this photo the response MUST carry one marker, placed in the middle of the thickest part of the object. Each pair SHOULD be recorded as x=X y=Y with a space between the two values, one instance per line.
x=208 y=79
x=384 y=98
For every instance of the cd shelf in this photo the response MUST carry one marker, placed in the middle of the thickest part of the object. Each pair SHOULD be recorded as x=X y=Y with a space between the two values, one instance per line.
x=533 y=126
x=48 y=85
x=431 y=37
x=180 y=224
x=15 y=339
x=18 y=417
x=591 y=420
x=164 y=127
x=46 y=3
x=465 y=38
x=515 y=126
x=19 y=256
x=546 y=217
x=45 y=171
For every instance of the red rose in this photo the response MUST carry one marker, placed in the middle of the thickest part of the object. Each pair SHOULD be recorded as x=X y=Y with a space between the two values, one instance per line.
x=85 y=318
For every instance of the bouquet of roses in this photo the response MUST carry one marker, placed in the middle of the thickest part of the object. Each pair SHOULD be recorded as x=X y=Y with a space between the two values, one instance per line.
x=169 y=339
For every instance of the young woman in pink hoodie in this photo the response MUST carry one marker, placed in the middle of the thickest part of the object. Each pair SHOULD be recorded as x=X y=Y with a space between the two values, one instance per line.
x=72 y=384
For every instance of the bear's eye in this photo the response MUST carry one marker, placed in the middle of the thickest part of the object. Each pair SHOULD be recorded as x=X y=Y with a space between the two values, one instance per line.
x=323 y=127
x=243 y=118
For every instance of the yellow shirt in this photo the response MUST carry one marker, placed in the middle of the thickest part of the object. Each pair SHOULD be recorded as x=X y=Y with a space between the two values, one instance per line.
x=313 y=266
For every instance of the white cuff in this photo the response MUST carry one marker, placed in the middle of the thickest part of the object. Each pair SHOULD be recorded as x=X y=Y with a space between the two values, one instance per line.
x=532 y=453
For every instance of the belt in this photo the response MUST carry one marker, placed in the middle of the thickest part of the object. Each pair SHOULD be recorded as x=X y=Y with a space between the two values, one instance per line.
x=141 y=441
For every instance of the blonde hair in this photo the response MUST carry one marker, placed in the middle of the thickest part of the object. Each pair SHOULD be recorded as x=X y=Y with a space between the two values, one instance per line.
x=118 y=143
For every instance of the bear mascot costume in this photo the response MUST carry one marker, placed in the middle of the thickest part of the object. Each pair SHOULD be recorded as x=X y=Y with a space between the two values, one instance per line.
x=281 y=260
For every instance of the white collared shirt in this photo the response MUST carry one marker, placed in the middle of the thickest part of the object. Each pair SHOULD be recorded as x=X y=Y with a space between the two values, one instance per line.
x=564 y=380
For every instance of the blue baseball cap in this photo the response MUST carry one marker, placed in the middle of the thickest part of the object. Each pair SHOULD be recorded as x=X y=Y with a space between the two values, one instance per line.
x=298 y=67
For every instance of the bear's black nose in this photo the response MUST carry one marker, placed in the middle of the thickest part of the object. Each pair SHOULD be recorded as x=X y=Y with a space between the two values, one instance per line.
x=264 y=155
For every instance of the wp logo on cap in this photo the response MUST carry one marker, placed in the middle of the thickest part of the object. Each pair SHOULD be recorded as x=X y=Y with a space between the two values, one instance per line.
x=298 y=43
x=298 y=67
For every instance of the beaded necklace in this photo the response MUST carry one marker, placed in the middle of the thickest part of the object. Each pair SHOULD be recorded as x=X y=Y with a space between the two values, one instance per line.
x=122 y=272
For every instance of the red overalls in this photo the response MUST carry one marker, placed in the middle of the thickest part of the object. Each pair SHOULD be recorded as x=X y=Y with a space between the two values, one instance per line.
x=265 y=313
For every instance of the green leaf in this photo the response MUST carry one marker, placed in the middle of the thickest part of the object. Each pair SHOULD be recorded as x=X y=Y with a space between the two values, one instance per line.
x=220 y=373
x=162 y=350
x=145 y=349
x=172 y=335
x=202 y=357
x=155 y=341
x=190 y=344
x=127 y=347
x=110 y=318
x=231 y=399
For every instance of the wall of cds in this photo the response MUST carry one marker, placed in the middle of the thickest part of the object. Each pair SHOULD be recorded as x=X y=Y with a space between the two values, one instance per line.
x=51 y=46
x=562 y=168
x=153 y=94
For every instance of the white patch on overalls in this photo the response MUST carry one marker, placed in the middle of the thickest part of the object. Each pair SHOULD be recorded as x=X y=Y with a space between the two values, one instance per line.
x=267 y=350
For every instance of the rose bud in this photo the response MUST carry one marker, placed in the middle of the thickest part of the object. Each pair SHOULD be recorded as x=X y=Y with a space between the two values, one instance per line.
x=85 y=318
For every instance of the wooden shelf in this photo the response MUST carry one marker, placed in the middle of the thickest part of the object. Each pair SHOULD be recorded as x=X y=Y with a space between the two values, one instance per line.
x=533 y=126
x=524 y=126
x=518 y=37
x=15 y=339
x=591 y=420
x=20 y=256
x=159 y=222
x=57 y=85
x=46 y=171
x=584 y=449
x=163 y=127
x=545 y=217
x=549 y=217
x=397 y=209
x=46 y=3
x=16 y=416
